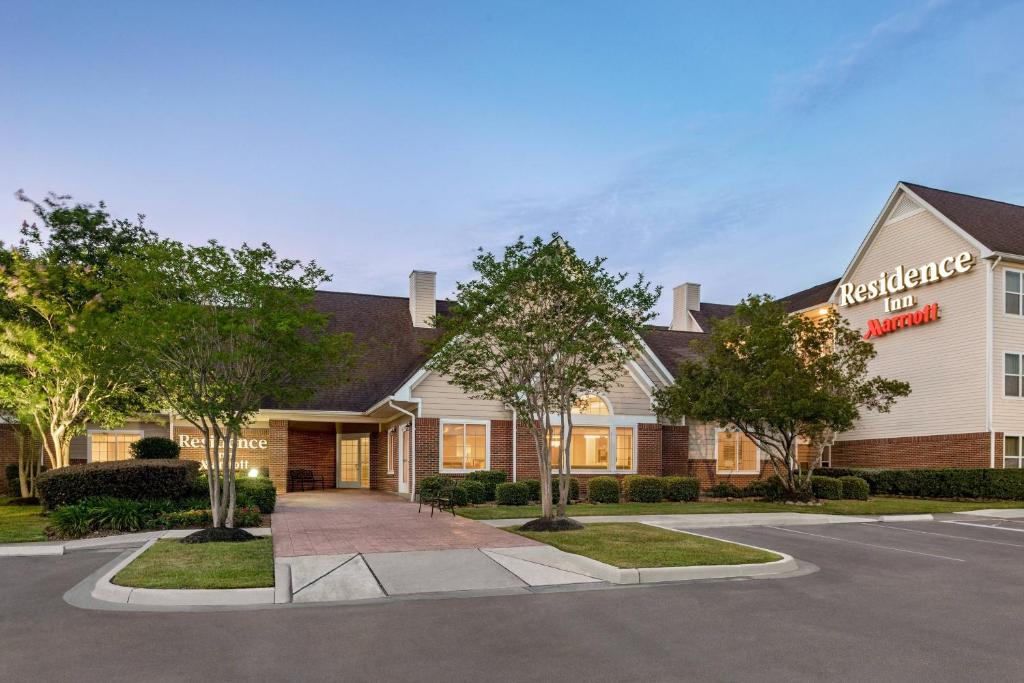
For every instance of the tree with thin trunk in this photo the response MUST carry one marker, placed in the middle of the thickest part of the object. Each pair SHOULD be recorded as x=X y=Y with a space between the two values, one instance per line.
x=780 y=379
x=216 y=333
x=539 y=329
x=57 y=368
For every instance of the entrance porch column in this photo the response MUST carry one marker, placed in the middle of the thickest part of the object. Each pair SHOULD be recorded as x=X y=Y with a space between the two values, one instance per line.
x=278 y=446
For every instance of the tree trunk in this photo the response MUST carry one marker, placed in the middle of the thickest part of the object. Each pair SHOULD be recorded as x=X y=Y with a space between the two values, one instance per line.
x=28 y=462
x=565 y=452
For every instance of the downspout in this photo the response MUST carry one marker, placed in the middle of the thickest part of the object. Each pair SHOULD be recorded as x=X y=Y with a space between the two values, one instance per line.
x=515 y=419
x=989 y=340
x=412 y=450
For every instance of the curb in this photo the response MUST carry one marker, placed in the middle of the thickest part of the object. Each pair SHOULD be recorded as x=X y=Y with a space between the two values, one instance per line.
x=282 y=582
x=115 y=541
x=906 y=518
x=31 y=550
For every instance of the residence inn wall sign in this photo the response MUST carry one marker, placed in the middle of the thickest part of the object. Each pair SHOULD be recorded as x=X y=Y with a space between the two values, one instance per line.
x=894 y=289
x=253 y=447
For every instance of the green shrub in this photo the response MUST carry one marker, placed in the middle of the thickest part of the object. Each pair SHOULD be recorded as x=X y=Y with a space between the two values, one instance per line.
x=433 y=485
x=490 y=479
x=474 y=492
x=71 y=521
x=603 y=490
x=117 y=514
x=679 y=489
x=12 y=479
x=854 y=488
x=155 y=448
x=574 y=489
x=769 y=489
x=640 y=488
x=512 y=493
x=828 y=488
x=256 y=492
x=533 y=485
x=941 y=482
x=724 y=489
x=199 y=519
x=137 y=479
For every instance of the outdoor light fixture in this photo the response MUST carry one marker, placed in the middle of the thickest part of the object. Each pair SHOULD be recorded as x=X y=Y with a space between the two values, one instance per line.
x=822 y=311
x=254 y=472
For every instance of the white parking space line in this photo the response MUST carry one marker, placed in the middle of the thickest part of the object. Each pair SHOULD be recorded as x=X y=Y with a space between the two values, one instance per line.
x=870 y=545
x=936 y=533
x=986 y=526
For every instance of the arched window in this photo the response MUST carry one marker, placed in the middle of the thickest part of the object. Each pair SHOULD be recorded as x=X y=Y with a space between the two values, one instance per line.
x=591 y=405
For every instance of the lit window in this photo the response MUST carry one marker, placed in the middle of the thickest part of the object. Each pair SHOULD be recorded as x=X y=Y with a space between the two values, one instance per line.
x=805 y=454
x=1013 y=454
x=110 y=446
x=591 y=405
x=588 y=451
x=624 y=448
x=735 y=453
x=463 y=446
x=1012 y=374
x=1014 y=291
x=391 y=451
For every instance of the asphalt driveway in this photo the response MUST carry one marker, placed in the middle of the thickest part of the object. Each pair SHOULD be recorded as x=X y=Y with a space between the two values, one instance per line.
x=922 y=601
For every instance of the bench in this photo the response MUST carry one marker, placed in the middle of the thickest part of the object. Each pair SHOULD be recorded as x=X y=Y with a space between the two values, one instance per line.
x=298 y=480
x=439 y=498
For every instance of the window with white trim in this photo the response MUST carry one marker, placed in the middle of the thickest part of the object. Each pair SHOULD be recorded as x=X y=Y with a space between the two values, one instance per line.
x=592 y=448
x=1014 y=292
x=463 y=446
x=110 y=445
x=591 y=405
x=391 y=450
x=735 y=454
x=1012 y=367
x=805 y=454
x=1013 y=453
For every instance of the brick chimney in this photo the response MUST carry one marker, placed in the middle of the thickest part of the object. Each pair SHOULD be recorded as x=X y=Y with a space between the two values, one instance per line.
x=685 y=298
x=422 y=297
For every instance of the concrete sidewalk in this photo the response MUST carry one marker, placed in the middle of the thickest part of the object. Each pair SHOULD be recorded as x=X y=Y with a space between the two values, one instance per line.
x=708 y=521
x=112 y=541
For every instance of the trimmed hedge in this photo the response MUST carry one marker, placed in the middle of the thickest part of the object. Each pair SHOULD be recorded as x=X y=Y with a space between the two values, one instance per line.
x=256 y=492
x=574 y=489
x=641 y=488
x=137 y=479
x=470 y=492
x=828 y=488
x=13 y=480
x=854 y=488
x=769 y=489
x=155 y=448
x=512 y=493
x=108 y=513
x=724 y=489
x=432 y=485
x=533 y=486
x=490 y=479
x=603 y=490
x=944 y=482
x=679 y=489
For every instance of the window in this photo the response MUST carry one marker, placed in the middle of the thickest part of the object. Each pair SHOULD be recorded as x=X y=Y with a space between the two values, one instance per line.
x=591 y=448
x=111 y=445
x=1012 y=374
x=463 y=446
x=1013 y=454
x=735 y=453
x=805 y=454
x=591 y=405
x=391 y=450
x=1014 y=281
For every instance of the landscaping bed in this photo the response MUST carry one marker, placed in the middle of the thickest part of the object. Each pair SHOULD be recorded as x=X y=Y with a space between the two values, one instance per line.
x=21 y=523
x=882 y=505
x=630 y=546
x=172 y=564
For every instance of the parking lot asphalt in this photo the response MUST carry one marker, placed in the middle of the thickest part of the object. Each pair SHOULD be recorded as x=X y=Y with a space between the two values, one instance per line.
x=936 y=601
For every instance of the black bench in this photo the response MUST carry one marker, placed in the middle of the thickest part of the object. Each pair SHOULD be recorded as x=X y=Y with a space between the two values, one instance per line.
x=298 y=480
x=439 y=498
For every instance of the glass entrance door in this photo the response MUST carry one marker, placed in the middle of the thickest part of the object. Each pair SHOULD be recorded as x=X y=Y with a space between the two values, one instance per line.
x=353 y=461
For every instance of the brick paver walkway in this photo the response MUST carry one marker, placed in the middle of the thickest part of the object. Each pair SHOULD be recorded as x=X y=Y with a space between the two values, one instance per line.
x=359 y=521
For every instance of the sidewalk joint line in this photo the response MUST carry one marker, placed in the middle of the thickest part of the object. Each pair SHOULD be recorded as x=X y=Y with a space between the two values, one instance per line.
x=326 y=574
x=374 y=575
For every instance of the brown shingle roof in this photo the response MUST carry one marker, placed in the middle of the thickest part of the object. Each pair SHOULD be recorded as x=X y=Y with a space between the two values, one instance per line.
x=391 y=348
x=709 y=312
x=812 y=296
x=997 y=225
x=671 y=346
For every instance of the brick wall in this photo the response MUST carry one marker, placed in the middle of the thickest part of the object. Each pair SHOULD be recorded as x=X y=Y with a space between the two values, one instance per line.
x=675 y=450
x=501 y=446
x=943 y=450
x=427 y=444
x=278 y=459
x=8 y=455
x=313 y=450
x=704 y=471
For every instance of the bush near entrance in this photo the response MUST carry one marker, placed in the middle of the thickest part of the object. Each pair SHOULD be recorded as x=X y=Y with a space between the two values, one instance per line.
x=854 y=488
x=135 y=479
x=679 y=489
x=155 y=448
x=470 y=492
x=490 y=479
x=828 y=488
x=509 y=493
x=255 y=492
x=641 y=488
x=946 y=482
x=603 y=490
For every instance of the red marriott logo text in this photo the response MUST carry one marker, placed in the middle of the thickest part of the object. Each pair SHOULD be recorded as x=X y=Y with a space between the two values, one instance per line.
x=879 y=326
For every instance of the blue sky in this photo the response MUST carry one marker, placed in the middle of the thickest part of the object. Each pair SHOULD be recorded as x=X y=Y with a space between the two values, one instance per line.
x=745 y=146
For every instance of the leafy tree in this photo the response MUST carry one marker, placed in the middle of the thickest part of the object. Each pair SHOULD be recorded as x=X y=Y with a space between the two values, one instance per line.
x=57 y=371
x=215 y=333
x=538 y=329
x=777 y=377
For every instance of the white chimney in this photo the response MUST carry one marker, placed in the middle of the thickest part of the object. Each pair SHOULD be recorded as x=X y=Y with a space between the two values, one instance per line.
x=422 y=297
x=685 y=298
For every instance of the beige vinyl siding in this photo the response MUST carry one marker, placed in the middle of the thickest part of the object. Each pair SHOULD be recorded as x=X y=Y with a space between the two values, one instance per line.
x=79 y=444
x=702 y=439
x=442 y=399
x=1007 y=337
x=628 y=398
x=944 y=361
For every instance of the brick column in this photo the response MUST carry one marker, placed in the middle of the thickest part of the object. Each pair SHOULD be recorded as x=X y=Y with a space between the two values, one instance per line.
x=648 y=449
x=675 y=450
x=278 y=446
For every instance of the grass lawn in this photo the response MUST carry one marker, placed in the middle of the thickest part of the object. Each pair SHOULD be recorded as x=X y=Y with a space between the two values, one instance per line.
x=21 y=523
x=171 y=564
x=880 y=505
x=639 y=545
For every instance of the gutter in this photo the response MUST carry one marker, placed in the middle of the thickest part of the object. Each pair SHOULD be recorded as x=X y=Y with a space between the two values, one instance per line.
x=515 y=456
x=412 y=450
